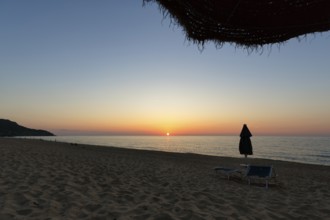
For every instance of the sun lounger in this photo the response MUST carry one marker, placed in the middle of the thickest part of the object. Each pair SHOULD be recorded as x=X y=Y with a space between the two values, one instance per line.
x=263 y=173
x=227 y=171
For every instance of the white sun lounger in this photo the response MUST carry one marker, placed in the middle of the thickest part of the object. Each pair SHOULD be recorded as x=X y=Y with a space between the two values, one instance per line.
x=227 y=171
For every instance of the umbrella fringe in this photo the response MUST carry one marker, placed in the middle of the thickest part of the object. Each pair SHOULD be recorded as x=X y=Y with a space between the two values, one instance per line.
x=229 y=22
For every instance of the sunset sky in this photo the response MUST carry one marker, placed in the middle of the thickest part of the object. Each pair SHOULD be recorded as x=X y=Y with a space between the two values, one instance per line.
x=116 y=67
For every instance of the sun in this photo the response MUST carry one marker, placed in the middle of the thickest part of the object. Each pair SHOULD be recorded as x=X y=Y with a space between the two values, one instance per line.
x=167 y=134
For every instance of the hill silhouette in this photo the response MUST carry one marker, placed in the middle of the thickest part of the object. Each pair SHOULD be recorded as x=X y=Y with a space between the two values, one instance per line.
x=9 y=129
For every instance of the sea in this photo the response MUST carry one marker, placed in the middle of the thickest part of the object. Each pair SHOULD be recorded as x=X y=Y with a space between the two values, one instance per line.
x=306 y=149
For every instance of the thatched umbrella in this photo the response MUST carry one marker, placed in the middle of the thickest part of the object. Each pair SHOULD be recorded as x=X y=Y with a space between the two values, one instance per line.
x=245 y=145
x=247 y=23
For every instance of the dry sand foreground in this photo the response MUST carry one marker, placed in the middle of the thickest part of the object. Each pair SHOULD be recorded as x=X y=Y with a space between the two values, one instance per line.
x=49 y=180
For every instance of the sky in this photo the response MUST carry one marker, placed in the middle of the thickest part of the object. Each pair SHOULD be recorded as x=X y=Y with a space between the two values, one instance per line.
x=109 y=67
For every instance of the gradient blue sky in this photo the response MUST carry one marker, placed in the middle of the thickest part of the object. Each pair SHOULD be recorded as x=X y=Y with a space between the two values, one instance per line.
x=115 y=67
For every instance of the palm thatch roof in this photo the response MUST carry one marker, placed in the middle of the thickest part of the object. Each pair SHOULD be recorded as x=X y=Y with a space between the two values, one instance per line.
x=247 y=23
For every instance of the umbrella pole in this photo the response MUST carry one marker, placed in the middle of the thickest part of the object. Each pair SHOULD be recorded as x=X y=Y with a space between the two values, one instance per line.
x=246 y=160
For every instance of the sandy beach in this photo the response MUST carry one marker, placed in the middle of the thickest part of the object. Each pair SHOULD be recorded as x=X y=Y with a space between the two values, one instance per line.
x=50 y=180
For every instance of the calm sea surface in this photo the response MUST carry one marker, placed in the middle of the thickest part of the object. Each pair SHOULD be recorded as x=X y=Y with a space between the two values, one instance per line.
x=313 y=150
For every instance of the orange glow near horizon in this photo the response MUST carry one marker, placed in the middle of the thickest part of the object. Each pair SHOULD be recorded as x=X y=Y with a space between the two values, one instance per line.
x=173 y=123
x=180 y=129
x=153 y=127
x=171 y=129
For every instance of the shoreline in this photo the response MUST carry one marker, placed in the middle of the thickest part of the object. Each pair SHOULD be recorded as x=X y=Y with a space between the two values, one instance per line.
x=280 y=153
x=45 y=179
x=250 y=158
